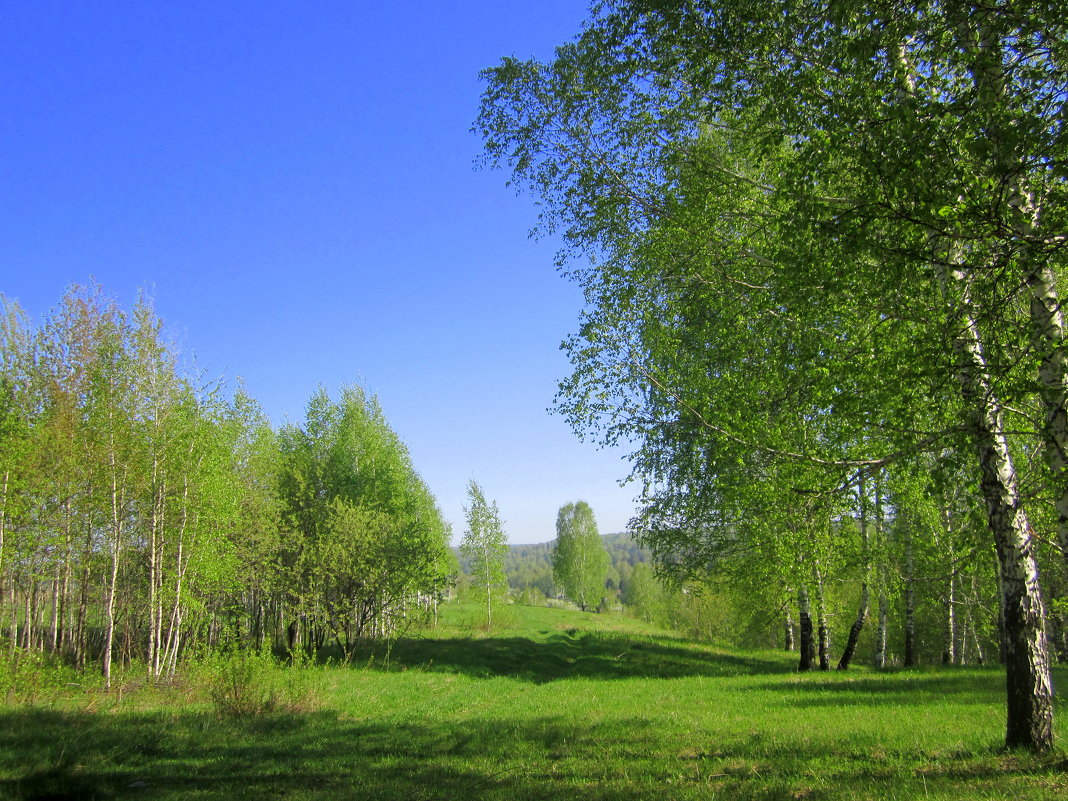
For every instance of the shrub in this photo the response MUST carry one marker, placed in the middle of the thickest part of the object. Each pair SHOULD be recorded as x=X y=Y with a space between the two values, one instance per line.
x=244 y=683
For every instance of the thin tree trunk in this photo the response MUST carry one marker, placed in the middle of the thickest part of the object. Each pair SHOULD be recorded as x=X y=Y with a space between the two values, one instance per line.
x=821 y=616
x=807 y=645
x=53 y=633
x=881 y=634
x=13 y=627
x=979 y=655
x=865 y=592
x=1047 y=322
x=3 y=527
x=788 y=627
x=152 y=656
x=64 y=593
x=910 y=597
x=116 y=550
x=174 y=633
x=29 y=613
x=949 y=646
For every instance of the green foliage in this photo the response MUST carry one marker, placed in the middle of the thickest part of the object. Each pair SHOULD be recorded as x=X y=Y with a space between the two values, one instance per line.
x=365 y=535
x=644 y=596
x=580 y=561
x=37 y=678
x=810 y=253
x=485 y=545
x=529 y=567
x=248 y=683
x=144 y=511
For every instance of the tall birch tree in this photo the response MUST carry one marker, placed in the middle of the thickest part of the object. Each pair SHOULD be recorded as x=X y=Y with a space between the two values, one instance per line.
x=836 y=172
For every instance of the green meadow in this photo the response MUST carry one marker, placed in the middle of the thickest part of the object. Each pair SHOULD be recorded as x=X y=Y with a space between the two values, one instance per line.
x=550 y=704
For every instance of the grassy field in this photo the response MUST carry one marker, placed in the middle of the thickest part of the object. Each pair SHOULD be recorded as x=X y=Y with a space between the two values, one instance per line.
x=553 y=704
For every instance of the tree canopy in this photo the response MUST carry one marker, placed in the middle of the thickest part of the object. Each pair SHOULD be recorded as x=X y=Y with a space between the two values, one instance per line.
x=580 y=560
x=812 y=251
x=143 y=514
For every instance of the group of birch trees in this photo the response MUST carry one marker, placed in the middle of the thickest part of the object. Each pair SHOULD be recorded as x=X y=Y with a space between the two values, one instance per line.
x=822 y=246
x=143 y=514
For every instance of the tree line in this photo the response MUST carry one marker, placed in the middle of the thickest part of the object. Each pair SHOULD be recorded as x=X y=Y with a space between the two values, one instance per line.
x=145 y=515
x=822 y=262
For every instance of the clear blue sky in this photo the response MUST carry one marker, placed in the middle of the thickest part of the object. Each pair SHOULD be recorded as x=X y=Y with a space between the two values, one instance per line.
x=293 y=184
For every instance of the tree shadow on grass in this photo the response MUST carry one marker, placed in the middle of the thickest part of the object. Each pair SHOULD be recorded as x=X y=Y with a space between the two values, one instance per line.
x=52 y=756
x=594 y=655
x=904 y=687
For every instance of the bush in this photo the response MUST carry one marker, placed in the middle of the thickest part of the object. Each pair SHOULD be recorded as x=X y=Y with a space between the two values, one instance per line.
x=29 y=676
x=246 y=683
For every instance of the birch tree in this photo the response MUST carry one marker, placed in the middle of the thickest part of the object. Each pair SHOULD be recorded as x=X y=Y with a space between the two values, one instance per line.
x=835 y=172
x=485 y=544
x=580 y=561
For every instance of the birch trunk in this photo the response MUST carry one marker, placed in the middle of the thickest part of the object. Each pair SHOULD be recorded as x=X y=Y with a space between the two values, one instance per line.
x=821 y=618
x=13 y=624
x=3 y=525
x=949 y=647
x=1029 y=691
x=807 y=645
x=53 y=633
x=116 y=550
x=949 y=604
x=865 y=591
x=1048 y=323
x=910 y=599
x=81 y=634
x=788 y=627
x=64 y=592
x=881 y=635
x=1024 y=210
x=154 y=536
x=174 y=633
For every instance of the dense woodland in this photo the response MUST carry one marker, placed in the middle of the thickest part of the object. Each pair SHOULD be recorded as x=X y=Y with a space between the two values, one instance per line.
x=144 y=515
x=822 y=262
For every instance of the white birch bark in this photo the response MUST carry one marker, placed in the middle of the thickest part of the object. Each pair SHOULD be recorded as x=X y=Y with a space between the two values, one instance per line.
x=865 y=591
x=881 y=634
x=823 y=630
x=113 y=582
x=1025 y=203
x=807 y=646
x=1030 y=694
x=910 y=598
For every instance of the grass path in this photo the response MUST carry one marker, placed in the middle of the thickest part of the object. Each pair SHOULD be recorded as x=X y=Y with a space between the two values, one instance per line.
x=560 y=705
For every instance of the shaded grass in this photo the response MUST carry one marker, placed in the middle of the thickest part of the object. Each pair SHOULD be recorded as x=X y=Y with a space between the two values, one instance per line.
x=556 y=708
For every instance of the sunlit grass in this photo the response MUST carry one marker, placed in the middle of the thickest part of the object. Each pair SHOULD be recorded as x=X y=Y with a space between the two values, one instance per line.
x=558 y=705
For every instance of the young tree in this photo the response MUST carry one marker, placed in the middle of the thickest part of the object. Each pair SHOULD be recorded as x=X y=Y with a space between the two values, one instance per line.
x=485 y=544
x=580 y=560
x=366 y=539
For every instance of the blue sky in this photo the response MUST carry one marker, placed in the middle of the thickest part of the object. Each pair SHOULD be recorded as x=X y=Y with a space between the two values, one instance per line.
x=293 y=184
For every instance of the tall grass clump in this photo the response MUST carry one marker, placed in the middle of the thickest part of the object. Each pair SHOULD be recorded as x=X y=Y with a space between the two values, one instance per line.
x=30 y=677
x=246 y=683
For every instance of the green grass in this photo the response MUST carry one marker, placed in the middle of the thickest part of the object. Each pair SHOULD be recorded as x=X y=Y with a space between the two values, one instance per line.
x=557 y=705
